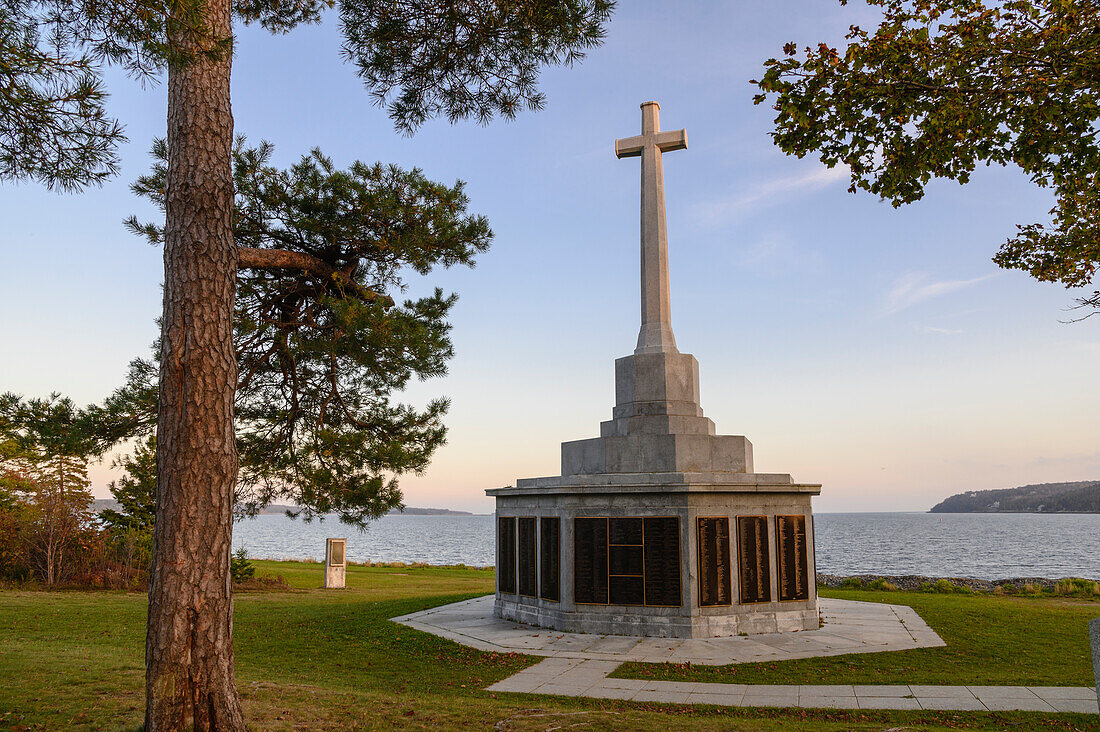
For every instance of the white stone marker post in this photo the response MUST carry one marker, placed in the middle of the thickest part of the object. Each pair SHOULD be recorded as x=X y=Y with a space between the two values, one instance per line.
x=1094 y=637
x=336 y=561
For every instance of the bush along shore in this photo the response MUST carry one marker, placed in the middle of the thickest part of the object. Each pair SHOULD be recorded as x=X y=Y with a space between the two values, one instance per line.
x=1071 y=586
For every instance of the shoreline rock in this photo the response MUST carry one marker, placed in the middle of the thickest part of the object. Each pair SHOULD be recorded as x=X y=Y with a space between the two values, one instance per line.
x=914 y=581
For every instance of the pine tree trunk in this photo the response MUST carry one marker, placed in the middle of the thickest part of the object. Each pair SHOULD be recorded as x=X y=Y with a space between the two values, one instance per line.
x=189 y=641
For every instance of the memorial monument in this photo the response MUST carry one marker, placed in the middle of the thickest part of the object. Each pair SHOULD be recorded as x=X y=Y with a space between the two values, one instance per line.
x=658 y=526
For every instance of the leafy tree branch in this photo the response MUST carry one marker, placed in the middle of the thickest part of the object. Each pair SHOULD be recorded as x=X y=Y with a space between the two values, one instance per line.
x=943 y=85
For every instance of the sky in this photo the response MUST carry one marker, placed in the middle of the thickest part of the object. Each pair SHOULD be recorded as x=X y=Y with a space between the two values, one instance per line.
x=874 y=350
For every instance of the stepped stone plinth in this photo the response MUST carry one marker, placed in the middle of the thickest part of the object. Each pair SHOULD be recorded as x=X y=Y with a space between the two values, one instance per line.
x=658 y=526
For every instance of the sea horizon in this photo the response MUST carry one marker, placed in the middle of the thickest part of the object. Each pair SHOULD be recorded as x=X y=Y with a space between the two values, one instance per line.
x=989 y=546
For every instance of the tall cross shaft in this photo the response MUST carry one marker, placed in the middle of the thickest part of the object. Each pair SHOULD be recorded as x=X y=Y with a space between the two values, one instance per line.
x=656 y=332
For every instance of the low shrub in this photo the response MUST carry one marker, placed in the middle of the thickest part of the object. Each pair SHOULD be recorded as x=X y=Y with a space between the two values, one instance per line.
x=240 y=566
x=1077 y=587
x=945 y=587
x=263 y=583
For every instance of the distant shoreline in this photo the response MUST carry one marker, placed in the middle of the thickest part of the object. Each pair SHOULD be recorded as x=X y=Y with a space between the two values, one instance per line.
x=1034 y=513
x=279 y=509
x=1079 y=497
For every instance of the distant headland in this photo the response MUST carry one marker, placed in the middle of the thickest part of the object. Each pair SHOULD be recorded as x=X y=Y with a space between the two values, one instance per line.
x=100 y=504
x=407 y=511
x=1079 y=497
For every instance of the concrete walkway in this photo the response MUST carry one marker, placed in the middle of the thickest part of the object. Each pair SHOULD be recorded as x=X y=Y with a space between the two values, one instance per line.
x=577 y=677
x=578 y=664
x=850 y=627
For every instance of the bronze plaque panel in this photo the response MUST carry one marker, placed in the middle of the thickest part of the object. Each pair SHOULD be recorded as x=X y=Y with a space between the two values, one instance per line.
x=662 y=561
x=625 y=563
x=792 y=558
x=625 y=531
x=624 y=560
x=527 y=556
x=714 y=562
x=754 y=565
x=590 y=561
x=625 y=590
x=506 y=554
x=550 y=559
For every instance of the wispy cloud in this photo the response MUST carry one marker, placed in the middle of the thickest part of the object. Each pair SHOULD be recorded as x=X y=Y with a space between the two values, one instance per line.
x=774 y=251
x=714 y=212
x=914 y=288
x=941 y=331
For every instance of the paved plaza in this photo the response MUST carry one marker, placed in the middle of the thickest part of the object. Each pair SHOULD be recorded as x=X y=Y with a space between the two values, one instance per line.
x=578 y=664
x=850 y=627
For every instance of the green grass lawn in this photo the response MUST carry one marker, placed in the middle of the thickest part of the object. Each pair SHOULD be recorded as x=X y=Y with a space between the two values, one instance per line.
x=323 y=659
x=991 y=640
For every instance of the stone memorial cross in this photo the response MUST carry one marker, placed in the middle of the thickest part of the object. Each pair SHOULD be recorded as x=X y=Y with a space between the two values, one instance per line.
x=656 y=332
x=654 y=527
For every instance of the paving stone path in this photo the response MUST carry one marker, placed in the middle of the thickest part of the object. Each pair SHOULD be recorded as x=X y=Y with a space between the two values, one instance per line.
x=589 y=678
x=578 y=664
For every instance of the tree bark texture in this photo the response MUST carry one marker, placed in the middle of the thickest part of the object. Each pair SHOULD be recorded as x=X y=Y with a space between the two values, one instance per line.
x=190 y=682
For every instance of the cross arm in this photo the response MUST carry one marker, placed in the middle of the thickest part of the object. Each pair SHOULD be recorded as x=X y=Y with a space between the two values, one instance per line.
x=630 y=147
x=672 y=140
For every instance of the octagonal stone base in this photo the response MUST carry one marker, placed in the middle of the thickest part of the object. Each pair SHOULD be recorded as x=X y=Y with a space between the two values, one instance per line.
x=687 y=496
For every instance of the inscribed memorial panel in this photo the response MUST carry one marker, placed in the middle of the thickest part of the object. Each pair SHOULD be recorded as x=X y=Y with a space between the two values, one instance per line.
x=753 y=562
x=792 y=558
x=590 y=561
x=625 y=531
x=714 y=561
x=527 y=556
x=506 y=554
x=625 y=584
x=662 y=561
x=550 y=558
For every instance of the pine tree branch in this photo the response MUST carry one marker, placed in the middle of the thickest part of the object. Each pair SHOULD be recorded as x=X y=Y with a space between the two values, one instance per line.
x=269 y=259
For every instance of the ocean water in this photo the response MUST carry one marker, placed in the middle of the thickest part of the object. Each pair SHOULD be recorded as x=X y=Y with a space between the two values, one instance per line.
x=394 y=538
x=980 y=545
x=986 y=546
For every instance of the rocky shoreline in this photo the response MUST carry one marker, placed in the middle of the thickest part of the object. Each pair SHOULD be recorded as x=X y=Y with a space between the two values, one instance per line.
x=915 y=581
